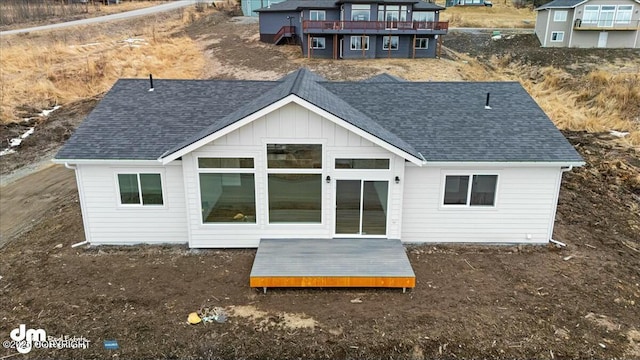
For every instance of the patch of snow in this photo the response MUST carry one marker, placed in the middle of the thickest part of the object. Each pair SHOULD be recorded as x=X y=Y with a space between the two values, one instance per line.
x=47 y=112
x=7 y=151
x=619 y=134
x=15 y=142
x=28 y=132
x=83 y=45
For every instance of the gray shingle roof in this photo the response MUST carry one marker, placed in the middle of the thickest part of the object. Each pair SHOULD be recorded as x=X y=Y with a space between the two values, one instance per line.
x=423 y=5
x=296 y=5
x=560 y=4
x=447 y=121
x=440 y=121
x=384 y=77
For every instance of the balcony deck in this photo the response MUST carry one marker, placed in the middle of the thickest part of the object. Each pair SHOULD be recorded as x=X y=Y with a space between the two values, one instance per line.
x=374 y=27
x=607 y=26
x=331 y=263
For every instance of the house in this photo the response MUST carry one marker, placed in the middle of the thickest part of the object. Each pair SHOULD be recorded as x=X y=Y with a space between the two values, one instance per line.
x=355 y=28
x=249 y=7
x=226 y=163
x=589 y=24
x=449 y=3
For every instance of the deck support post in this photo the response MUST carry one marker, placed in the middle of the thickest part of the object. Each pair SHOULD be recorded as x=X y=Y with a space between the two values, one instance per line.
x=404 y=290
x=264 y=290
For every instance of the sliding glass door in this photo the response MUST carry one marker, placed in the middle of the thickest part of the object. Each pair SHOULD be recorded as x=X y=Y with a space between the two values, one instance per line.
x=361 y=207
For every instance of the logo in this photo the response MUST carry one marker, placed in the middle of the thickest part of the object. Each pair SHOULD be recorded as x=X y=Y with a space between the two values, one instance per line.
x=24 y=340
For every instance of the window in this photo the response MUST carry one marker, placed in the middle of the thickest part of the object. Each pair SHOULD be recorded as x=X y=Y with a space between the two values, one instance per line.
x=317 y=15
x=480 y=192
x=623 y=16
x=362 y=164
x=560 y=15
x=140 y=189
x=590 y=15
x=607 y=13
x=357 y=41
x=422 y=43
x=389 y=42
x=227 y=190
x=317 y=42
x=294 y=156
x=360 y=12
x=423 y=16
x=294 y=181
x=557 y=36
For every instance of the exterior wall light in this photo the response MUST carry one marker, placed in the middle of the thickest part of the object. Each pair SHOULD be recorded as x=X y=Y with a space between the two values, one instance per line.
x=397 y=180
x=328 y=179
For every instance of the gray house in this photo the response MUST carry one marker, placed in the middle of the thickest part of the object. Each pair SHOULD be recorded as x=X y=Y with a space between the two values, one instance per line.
x=355 y=28
x=589 y=24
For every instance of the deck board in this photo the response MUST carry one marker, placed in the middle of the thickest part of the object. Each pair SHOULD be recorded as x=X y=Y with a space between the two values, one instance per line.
x=331 y=263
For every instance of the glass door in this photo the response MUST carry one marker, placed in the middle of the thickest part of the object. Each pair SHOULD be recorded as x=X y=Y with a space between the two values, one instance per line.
x=361 y=207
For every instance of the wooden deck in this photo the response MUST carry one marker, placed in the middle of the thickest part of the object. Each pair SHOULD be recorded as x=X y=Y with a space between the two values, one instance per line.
x=331 y=263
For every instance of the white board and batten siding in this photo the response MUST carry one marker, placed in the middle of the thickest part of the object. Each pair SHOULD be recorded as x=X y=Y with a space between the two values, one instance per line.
x=526 y=201
x=291 y=123
x=108 y=223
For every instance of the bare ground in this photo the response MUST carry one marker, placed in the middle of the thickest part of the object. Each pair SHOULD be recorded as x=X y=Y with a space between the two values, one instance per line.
x=469 y=302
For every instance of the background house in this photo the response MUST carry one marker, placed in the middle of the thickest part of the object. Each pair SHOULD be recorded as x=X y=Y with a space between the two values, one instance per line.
x=589 y=23
x=221 y=164
x=356 y=28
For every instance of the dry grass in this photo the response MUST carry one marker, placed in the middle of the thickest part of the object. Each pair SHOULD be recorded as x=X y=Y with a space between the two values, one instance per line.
x=20 y=14
x=39 y=71
x=501 y=15
x=598 y=101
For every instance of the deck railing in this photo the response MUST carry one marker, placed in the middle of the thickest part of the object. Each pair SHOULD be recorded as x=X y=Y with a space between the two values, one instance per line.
x=283 y=32
x=606 y=25
x=374 y=25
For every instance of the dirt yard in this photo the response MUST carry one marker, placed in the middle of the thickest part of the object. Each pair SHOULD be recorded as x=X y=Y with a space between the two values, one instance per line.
x=470 y=302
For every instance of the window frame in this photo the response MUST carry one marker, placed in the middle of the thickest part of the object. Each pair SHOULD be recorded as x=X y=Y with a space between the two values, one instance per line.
x=366 y=47
x=420 y=39
x=295 y=171
x=630 y=12
x=560 y=12
x=361 y=7
x=239 y=170
x=315 y=38
x=593 y=9
x=468 y=206
x=390 y=42
x=318 y=12
x=557 y=33
x=140 y=205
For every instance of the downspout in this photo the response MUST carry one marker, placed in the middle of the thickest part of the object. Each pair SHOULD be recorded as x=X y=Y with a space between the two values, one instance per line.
x=555 y=206
x=546 y=31
x=573 y=22
x=85 y=219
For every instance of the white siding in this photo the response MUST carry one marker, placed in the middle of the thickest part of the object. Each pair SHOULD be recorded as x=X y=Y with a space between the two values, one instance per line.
x=294 y=124
x=109 y=223
x=525 y=204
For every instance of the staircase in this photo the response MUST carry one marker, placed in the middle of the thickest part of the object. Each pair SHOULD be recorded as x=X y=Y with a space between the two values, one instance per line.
x=285 y=32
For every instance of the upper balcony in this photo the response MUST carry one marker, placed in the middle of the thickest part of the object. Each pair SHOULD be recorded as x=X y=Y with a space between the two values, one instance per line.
x=374 y=27
x=607 y=25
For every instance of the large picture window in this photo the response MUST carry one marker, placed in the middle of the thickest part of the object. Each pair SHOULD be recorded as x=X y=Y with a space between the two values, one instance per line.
x=423 y=16
x=294 y=180
x=227 y=190
x=140 y=189
x=623 y=15
x=470 y=190
x=360 y=12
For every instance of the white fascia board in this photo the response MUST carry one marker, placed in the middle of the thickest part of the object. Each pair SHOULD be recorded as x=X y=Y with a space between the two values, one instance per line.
x=110 y=162
x=278 y=104
x=503 y=164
